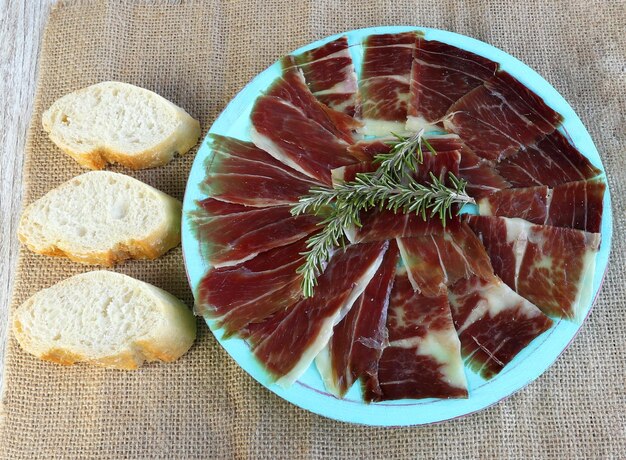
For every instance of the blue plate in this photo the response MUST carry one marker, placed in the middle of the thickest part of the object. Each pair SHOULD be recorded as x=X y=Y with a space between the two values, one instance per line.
x=308 y=392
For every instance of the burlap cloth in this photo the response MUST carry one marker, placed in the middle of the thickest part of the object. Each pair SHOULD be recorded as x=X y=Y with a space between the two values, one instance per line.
x=204 y=405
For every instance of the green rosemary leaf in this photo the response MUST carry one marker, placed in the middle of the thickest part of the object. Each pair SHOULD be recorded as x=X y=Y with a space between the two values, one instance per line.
x=392 y=186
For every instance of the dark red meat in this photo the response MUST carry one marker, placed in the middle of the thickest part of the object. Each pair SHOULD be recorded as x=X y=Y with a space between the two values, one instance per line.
x=493 y=323
x=329 y=74
x=441 y=74
x=573 y=205
x=439 y=260
x=287 y=342
x=384 y=85
x=550 y=161
x=253 y=290
x=552 y=267
x=358 y=340
x=239 y=172
x=295 y=128
x=481 y=176
x=230 y=233
x=497 y=119
x=423 y=359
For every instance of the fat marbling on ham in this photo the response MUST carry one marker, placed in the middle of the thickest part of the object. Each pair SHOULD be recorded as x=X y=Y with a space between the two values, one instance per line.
x=500 y=117
x=493 y=322
x=423 y=358
x=329 y=73
x=440 y=75
x=573 y=205
x=290 y=124
x=239 y=172
x=353 y=351
x=552 y=267
x=230 y=233
x=288 y=342
x=384 y=83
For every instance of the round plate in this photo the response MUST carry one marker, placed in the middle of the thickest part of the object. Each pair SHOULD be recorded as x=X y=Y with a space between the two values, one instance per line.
x=308 y=392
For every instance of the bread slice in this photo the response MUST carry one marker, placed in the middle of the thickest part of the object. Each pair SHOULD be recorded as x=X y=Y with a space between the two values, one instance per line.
x=104 y=318
x=113 y=122
x=102 y=217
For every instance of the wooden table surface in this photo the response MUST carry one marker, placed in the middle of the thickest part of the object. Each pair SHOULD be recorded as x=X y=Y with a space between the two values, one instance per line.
x=21 y=29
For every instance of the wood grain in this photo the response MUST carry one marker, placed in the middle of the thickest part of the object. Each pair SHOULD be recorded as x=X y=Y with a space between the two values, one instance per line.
x=21 y=29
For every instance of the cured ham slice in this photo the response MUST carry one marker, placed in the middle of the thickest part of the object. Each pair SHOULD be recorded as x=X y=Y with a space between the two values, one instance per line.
x=253 y=290
x=493 y=323
x=481 y=176
x=574 y=205
x=367 y=150
x=385 y=225
x=423 y=358
x=241 y=173
x=434 y=262
x=500 y=117
x=299 y=131
x=230 y=233
x=550 y=266
x=358 y=340
x=551 y=161
x=292 y=88
x=287 y=342
x=384 y=83
x=329 y=74
x=441 y=74
x=530 y=204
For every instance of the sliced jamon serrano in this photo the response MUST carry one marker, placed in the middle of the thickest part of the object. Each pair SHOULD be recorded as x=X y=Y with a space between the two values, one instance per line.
x=291 y=87
x=241 y=173
x=385 y=225
x=551 y=161
x=358 y=340
x=366 y=150
x=493 y=323
x=500 y=117
x=423 y=358
x=441 y=74
x=287 y=342
x=230 y=233
x=553 y=267
x=481 y=176
x=384 y=83
x=329 y=74
x=299 y=131
x=573 y=205
x=253 y=290
x=434 y=262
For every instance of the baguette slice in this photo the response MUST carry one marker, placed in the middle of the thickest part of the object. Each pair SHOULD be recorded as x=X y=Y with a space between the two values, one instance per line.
x=104 y=318
x=113 y=122
x=102 y=217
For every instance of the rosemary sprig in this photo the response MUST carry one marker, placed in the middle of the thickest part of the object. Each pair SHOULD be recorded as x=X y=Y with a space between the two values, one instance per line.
x=390 y=187
x=405 y=153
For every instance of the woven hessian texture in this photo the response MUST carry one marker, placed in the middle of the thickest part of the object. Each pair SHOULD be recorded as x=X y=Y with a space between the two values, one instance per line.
x=204 y=405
